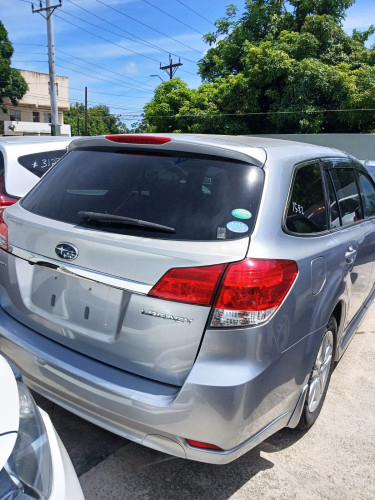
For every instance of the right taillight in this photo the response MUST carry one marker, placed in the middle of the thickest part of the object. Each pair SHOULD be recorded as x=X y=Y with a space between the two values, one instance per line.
x=252 y=290
x=3 y=233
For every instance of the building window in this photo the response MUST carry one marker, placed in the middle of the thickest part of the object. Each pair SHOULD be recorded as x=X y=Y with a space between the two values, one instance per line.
x=15 y=115
x=47 y=118
x=36 y=116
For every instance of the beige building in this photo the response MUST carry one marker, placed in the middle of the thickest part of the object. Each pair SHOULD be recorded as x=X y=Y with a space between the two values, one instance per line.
x=32 y=116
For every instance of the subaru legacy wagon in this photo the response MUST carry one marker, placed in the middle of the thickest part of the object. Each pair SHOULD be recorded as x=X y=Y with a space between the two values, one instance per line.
x=190 y=293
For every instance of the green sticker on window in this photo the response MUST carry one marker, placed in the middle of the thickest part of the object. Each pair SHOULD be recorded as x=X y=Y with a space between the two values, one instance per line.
x=241 y=213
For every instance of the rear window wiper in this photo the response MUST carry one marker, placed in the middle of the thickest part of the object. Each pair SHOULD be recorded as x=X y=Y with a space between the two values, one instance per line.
x=125 y=221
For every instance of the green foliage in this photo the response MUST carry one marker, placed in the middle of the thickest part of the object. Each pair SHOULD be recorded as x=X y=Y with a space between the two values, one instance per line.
x=12 y=84
x=275 y=70
x=99 y=121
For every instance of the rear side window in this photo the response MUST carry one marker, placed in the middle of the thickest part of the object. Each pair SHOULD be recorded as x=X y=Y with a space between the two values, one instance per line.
x=307 y=207
x=347 y=194
x=39 y=163
x=200 y=198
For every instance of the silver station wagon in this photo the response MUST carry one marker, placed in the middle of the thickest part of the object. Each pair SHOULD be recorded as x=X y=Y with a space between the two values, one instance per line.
x=190 y=293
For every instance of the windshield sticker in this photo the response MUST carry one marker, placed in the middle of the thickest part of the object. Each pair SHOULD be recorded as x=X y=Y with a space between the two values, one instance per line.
x=241 y=213
x=221 y=233
x=237 y=227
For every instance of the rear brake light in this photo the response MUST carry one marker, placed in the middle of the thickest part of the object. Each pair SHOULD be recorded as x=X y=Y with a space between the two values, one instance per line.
x=5 y=200
x=248 y=294
x=138 y=139
x=3 y=234
x=252 y=290
x=205 y=446
x=194 y=285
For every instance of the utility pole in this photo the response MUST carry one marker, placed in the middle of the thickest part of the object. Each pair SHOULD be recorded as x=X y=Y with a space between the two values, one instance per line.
x=85 y=110
x=49 y=10
x=171 y=68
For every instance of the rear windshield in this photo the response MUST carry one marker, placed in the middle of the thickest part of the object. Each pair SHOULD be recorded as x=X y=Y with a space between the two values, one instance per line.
x=200 y=198
x=39 y=163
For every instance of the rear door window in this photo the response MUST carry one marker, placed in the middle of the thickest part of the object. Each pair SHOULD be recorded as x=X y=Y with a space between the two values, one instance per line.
x=199 y=197
x=39 y=163
x=366 y=187
x=307 y=207
x=344 y=181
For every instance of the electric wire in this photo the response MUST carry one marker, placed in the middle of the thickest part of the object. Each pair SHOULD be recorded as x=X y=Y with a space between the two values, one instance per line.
x=147 y=26
x=173 y=17
x=136 y=37
x=195 y=12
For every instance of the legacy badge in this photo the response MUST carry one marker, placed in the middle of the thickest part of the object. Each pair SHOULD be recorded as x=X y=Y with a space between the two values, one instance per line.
x=177 y=319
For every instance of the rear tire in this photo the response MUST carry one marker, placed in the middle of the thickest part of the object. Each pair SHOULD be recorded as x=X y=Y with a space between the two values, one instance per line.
x=319 y=377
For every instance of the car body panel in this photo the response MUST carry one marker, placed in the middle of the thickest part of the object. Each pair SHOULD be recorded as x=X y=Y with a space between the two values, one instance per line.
x=134 y=368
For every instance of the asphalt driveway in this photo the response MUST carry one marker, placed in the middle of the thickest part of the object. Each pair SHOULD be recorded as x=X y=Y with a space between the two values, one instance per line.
x=334 y=460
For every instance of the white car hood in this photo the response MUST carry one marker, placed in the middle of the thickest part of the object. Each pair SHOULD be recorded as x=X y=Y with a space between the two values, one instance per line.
x=9 y=415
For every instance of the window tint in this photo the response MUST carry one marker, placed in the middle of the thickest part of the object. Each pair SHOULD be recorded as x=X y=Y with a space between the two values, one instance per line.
x=347 y=194
x=201 y=198
x=307 y=208
x=368 y=193
x=39 y=163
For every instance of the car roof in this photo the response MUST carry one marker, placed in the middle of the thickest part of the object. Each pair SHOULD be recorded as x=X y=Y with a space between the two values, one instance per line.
x=27 y=139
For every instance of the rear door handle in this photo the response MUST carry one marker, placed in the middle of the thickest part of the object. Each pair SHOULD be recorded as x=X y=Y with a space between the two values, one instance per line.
x=350 y=255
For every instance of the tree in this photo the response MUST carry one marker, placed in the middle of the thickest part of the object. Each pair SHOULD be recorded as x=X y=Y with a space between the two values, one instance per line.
x=12 y=84
x=99 y=120
x=276 y=69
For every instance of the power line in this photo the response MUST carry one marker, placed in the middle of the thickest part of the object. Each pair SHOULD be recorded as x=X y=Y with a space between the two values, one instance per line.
x=142 y=42
x=95 y=72
x=102 y=38
x=173 y=17
x=96 y=78
x=147 y=26
x=195 y=12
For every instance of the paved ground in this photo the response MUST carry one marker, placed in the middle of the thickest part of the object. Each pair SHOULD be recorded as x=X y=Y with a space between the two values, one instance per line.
x=334 y=460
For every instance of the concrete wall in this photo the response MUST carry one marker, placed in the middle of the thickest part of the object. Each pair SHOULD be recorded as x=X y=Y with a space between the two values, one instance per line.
x=38 y=93
x=362 y=146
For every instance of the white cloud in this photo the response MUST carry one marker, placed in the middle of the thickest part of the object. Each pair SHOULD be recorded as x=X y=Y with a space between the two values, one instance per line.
x=131 y=68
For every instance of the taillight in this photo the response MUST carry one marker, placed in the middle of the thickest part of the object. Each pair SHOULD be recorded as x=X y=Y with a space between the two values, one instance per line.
x=5 y=200
x=3 y=234
x=252 y=290
x=138 y=139
x=243 y=293
x=194 y=285
x=204 y=446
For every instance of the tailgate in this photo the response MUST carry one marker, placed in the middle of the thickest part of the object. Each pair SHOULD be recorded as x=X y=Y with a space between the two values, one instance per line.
x=98 y=304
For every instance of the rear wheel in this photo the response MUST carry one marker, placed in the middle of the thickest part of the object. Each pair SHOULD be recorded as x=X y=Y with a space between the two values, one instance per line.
x=319 y=377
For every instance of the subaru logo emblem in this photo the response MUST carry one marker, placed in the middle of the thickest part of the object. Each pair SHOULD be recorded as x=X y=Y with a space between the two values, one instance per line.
x=66 y=251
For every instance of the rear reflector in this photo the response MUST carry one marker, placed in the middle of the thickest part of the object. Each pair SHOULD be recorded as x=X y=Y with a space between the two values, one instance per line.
x=252 y=290
x=200 y=444
x=138 y=139
x=194 y=285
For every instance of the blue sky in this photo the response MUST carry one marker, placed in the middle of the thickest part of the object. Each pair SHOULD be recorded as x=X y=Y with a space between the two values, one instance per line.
x=113 y=46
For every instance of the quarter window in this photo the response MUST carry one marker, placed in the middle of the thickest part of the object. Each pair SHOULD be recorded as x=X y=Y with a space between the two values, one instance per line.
x=307 y=207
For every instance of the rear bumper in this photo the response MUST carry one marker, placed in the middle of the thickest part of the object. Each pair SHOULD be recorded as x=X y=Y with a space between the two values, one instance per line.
x=233 y=417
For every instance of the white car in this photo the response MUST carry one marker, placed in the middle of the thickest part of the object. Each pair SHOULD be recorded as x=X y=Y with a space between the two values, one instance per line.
x=23 y=160
x=33 y=461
